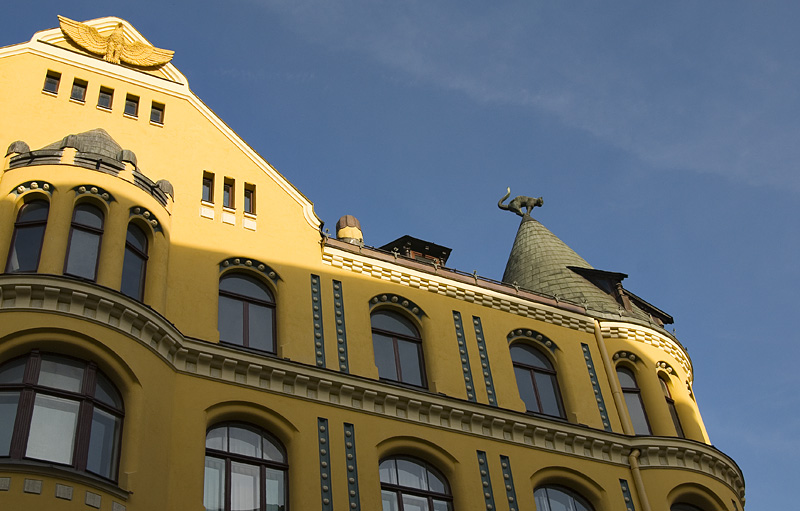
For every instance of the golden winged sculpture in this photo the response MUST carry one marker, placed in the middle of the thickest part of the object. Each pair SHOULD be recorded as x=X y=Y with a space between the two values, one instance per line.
x=114 y=47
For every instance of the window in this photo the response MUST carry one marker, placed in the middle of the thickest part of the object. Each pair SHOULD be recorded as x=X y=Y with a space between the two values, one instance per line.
x=85 y=234
x=671 y=405
x=157 y=113
x=398 y=348
x=106 y=98
x=245 y=470
x=409 y=484
x=227 y=193
x=78 y=90
x=51 y=81
x=557 y=498
x=60 y=410
x=246 y=312
x=208 y=187
x=536 y=380
x=26 y=242
x=135 y=263
x=250 y=198
x=633 y=400
x=132 y=105
x=683 y=507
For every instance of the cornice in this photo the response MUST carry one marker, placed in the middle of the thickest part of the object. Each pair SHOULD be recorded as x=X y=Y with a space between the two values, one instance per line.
x=63 y=296
x=636 y=333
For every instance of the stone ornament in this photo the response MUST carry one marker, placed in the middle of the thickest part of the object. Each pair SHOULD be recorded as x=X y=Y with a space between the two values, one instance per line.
x=527 y=333
x=254 y=264
x=94 y=190
x=397 y=300
x=114 y=48
x=519 y=203
x=34 y=185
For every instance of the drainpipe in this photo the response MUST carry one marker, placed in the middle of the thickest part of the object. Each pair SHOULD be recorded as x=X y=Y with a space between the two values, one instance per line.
x=633 y=458
x=627 y=426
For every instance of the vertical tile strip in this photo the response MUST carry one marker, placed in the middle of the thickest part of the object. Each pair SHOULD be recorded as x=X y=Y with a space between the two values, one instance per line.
x=462 y=351
x=316 y=308
x=487 y=370
x=626 y=493
x=352 y=466
x=324 y=465
x=508 y=481
x=486 y=482
x=341 y=332
x=601 y=404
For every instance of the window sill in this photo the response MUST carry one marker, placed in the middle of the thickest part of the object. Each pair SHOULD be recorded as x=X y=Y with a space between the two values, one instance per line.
x=228 y=209
x=65 y=474
x=129 y=116
x=159 y=124
x=103 y=109
x=77 y=101
x=49 y=93
x=249 y=215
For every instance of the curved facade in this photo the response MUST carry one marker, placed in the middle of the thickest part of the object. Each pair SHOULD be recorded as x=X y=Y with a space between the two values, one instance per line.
x=176 y=333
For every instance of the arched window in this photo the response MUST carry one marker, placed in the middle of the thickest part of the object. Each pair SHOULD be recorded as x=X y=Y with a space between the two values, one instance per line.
x=26 y=242
x=671 y=405
x=536 y=380
x=684 y=507
x=85 y=234
x=398 y=348
x=558 y=498
x=246 y=312
x=245 y=469
x=135 y=263
x=409 y=484
x=633 y=400
x=60 y=410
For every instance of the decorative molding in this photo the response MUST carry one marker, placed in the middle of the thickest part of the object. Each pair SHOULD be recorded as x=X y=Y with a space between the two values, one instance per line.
x=484 y=356
x=352 y=466
x=508 y=481
x=466 y=369
x=598 y=394
x=324 y=465
x=626 y=494
x=665 y=367
x=486 y=481
x=94 y=190
x=527 y=333
x=31 y=186
x=72 y=298
x=147 y=216
x=252 y=264
x=341 y=327
x=316 y=311
x=389 y=298
x=644 y=335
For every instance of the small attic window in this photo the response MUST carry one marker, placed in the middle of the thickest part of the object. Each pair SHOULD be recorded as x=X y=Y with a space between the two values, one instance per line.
x=79 y=90
x=157 y=113
x=51 y=82
x=132 y=105
x=106 y=98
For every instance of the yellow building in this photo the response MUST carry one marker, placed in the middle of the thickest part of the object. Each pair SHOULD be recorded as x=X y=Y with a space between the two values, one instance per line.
x=177 y=333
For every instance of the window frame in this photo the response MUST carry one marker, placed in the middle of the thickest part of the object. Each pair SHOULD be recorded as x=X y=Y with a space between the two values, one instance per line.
x=20 y=223
x=637 y=392
x=249 y=205
x=142 y=256
x=87 y=229
x=132 y=100
x=396 y=338
x=245 y=311
x=87 y=401
x=676 y=421
x=208 y=184
x=80 y=85
x=155 y=106
x=532 y=371
x=105 y=92
x=56 y=78
x=572 y=494
x=229 y=193
x=429 y=495
x=229 y=457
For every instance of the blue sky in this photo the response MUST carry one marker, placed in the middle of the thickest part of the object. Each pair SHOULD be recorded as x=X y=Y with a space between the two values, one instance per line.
x=664 y=138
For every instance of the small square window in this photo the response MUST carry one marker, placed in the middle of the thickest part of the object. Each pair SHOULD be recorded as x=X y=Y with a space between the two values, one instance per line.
x=208 y=187
x=51 y=82
x=106 y=98
x=227 y=193
x=132 y=105
x=78 y=90
x=250 y=199
x=157 y=113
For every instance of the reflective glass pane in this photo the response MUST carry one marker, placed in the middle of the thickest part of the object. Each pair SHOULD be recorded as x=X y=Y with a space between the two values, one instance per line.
x=546 y=385
x=12 y=372
x=410 y=363
x=61 y=373
x=411 y=474
x=675 y=420
x=244 y=441
x=52 y=434
x=526 y=391
x=271 y=451
x=392 y=322
x=106 y=392
x=540 y=496
x=388 y=471
x=24 y=254
x=529 y=356
x=244 y=285
x=84 y=246
x=414 y=503
x=214 y=486
x=34 y=211
x=136 y=238
x=441 y=505
x=245 y=488
x=436 y=483
x=274 y=487
x=217 y=438
x=88 y=215
x=260 y=319
x=8 y=414
x=626 y=378
x=133 y=267
x=231 y=320
x=104 y=444
x=636 y=411
x=384 y=356
x=389 y=501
